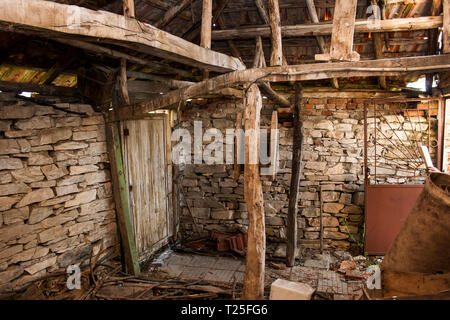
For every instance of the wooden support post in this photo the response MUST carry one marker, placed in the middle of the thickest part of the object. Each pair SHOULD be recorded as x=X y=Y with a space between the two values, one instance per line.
x=237 y=147
x=274 y=145
x=446 y=26
x=433 y=43
x=320 y=39
x=342 y=33
x=291 y=245
x=121 y=199
x=123 y=82
x=128 y=8
x=205 y=35
x=276 y=58
x=378 y=45
x=253 y=195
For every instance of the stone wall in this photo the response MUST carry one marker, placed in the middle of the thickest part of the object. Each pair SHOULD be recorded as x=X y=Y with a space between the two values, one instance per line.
x=332 y=162
x=55 y=191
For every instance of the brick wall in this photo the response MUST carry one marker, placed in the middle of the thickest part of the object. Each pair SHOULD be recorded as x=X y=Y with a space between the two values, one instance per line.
x=55 y=191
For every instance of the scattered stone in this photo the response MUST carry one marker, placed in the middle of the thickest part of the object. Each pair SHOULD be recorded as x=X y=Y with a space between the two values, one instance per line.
x=288 y=290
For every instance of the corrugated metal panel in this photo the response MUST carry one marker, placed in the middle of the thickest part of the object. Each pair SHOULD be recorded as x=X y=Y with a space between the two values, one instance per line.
x=147 y=178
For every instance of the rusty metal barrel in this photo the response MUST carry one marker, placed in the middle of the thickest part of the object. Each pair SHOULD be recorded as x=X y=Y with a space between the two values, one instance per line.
x=423 y=244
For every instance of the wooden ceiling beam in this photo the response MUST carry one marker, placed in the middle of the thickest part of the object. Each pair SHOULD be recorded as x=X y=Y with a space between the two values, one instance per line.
x=325 y=28
x=172 y=13
x=156 y=66
x=50 y=19
x=305 y=72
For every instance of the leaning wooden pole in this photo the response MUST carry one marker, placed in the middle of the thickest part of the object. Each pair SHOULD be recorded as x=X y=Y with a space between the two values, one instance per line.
x=121 y=199
x=253 y=195
x=295 y=179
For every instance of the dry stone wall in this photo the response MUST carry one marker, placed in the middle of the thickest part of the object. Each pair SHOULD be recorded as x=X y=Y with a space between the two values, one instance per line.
x=332 y=169
x=55 y=190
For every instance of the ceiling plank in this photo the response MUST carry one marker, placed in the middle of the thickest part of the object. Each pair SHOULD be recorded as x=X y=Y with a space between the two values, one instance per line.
x=50 y=19
x=48 y=90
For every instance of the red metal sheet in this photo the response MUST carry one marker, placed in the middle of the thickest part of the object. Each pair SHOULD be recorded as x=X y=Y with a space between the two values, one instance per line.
x=386 y=209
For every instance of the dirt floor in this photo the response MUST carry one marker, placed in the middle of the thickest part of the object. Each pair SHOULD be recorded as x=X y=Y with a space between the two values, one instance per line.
x=202 y=272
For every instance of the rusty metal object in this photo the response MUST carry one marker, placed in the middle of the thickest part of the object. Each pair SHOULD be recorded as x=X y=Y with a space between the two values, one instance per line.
x=386 y=210
x=228 y=242
x=422 y=245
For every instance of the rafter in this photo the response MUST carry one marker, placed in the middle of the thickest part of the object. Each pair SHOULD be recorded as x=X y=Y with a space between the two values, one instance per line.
x=50 y=19
x=172 y=13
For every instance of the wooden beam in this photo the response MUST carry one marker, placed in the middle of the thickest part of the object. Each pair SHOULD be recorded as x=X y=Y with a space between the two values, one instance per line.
x=316 y=71
x=320 y=39
x=171 y=83
x=291 y=244
x=128 y=8
x=170 y=14
x=123 y=82
x=325 y=28
x=378 y=45
x=50 y=20
x=446 y=26
x=48 y=90
x=234 y=51
x=237 y=146
x=433 y=43
x=165 y=5
x=205 y=35
x=274 y=146
x=121 y=199
x=342 y=34
x=276 y=57
x=195 y=29
x=156 y=66
x=253 y=195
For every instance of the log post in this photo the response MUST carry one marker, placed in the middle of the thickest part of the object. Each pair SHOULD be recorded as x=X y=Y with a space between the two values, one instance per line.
x=378 y=45
x=205 y=35
x=276 y=58
x=320 y=39
x=446 y=26
x=291 y=245
x=128 y=8
x=253 y=195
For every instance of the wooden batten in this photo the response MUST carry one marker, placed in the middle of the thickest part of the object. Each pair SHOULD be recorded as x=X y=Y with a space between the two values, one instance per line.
x=253 y=195
x=291 y=244
x=121 y=199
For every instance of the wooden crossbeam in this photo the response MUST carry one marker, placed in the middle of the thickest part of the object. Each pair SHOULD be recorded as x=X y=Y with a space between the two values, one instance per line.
x=325 y=28
x=50 y=19
x=316 y=71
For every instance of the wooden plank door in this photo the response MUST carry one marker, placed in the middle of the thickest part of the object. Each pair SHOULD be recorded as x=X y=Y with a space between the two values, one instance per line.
x=146 y=167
